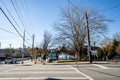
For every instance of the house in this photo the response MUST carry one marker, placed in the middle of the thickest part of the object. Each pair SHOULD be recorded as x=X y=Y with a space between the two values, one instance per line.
x=62 y=55
x=52 y=55
x=65 y=56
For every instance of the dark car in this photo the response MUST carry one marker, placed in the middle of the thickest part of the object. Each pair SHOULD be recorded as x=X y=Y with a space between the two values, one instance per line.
x=117 y=56
x=10 y=60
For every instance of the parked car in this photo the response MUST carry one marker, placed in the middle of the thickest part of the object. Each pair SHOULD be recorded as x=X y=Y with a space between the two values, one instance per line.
x=117 y=56
x=10 y=60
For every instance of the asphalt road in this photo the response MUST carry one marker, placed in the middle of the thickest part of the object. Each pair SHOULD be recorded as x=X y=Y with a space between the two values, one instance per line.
x=60 y=72
x=5 y=67
x=101 y=71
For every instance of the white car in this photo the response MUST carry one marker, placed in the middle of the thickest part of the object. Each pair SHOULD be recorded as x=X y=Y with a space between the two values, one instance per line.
x=10 y=60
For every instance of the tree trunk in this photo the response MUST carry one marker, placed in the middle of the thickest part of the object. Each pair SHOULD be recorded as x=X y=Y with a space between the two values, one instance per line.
x=77 y=56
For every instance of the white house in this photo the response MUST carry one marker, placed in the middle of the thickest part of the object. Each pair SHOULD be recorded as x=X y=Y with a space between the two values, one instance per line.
x=65 y=56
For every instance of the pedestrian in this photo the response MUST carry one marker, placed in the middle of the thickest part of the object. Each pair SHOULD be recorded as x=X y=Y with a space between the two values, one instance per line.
x=44 y=59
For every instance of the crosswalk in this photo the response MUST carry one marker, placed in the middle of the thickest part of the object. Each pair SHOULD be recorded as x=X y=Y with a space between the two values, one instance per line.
x=43 y=72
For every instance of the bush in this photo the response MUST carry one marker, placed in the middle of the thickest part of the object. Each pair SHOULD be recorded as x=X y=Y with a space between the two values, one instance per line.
x=63 y=61
x=51 y=60
x=85 y=58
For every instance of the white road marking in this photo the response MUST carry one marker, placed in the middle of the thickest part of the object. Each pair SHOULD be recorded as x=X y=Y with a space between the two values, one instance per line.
x=103 y=67
x=43 y=72
x=29 y=78
x=64 y=70
x=88 y=77
x=41 y=69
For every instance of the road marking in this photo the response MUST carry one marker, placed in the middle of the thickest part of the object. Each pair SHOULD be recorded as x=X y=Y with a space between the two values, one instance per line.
x=32 y=75
x=42 y=72
x=43 y=78
x=41 y=69
x=103 y=67
x=88 y=77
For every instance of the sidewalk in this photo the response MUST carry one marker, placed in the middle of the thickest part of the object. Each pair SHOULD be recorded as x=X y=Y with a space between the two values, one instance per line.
x=26 y=62
x=29 y=62
x=85 y=62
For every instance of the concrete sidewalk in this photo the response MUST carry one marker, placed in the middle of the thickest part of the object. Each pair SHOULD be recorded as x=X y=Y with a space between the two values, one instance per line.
x=29 y=62
x=26 y=62
x=84 y=62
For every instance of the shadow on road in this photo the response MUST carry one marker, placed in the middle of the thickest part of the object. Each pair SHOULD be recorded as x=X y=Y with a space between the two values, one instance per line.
x=104 y=73
x=52 y=79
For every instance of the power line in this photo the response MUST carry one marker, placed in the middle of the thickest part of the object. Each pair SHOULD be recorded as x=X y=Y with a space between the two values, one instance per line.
x=7 y=31
x=19 y=16
x=28 y=13
x=72 y=4
x=17 y=13
x=28 y=42
x=10 y=14
x=13 y=27
x=100 y=10
x=25 y=13
x=109 y=8
x=10 y=22
x=7 y=37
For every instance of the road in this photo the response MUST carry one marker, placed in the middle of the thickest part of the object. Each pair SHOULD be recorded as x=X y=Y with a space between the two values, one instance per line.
x=101 y=71
x=60 y=72
x=5 y=67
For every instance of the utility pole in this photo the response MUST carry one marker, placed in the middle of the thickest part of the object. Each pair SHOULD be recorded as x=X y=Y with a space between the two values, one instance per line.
x=24 y=42
x=88 y=36
x=33 y=45
x=0 y=47
x=23 y=52
x=10 y=48
x=87 y=31
x=0 y=51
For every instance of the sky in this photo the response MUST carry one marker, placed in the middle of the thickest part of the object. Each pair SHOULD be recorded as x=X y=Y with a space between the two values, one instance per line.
x=37 y=16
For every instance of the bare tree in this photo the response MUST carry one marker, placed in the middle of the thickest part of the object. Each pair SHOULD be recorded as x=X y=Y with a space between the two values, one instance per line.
x=117 y=36
x=105 y=42
x=72 y=26
x=47 y=42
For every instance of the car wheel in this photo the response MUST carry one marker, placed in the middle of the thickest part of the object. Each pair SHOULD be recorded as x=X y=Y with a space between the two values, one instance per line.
x=11 y=62
x=5 y=62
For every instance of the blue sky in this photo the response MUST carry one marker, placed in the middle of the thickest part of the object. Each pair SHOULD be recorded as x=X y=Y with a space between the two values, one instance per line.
x=43 y=14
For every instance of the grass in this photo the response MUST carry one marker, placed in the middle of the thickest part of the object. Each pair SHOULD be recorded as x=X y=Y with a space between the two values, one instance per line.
x=63 y=61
